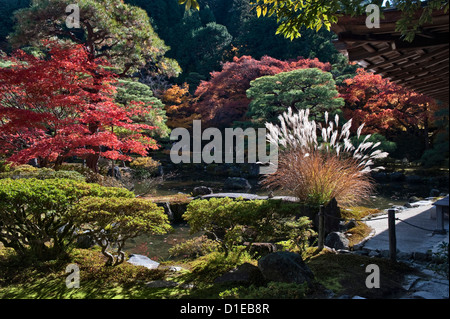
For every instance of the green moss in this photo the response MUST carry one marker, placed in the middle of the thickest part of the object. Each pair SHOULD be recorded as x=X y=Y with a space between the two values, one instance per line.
x=172 y=199
x=358 y=212
x=345 y=274
x=47 y=280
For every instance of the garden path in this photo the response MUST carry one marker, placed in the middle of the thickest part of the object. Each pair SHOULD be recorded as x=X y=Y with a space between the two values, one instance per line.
x=419 y=238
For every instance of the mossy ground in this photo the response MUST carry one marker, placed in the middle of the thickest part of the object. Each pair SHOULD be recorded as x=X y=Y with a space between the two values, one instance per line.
x=342 y=274
x=345 y=274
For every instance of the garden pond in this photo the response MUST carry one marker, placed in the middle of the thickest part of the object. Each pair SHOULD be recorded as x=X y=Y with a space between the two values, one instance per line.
x=157 y=246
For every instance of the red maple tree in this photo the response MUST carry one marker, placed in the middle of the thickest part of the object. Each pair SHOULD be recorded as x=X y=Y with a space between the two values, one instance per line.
x=62 y=105
x=385 y=107
x=223 y=100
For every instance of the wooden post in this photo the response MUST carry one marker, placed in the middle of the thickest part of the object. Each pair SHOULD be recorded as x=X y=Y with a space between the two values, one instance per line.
x=321 y=243
x=392 y=235
x=439 y=220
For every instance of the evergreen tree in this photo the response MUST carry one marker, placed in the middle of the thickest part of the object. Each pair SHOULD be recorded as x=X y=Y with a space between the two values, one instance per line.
x=131 y=91
x=7 y=8
x=301 y=89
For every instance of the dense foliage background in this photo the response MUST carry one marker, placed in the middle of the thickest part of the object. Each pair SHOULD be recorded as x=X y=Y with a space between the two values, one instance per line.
x=226 y=40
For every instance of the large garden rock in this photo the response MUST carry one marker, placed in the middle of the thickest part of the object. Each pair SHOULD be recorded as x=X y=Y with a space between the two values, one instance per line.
x=201 y=190
x=237 y=183
x=285 y=267
x=85 y=241
x=332 y=216
x=243 y=274
x=380 y=177
x=174 y=210
x=140 y=260
x=336 y=240
x=397 y=177
x=413 y=179
x=115 y=172
x=262 y=249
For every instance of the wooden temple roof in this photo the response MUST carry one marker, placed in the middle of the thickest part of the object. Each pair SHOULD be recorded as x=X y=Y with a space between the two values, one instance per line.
x=421 y=65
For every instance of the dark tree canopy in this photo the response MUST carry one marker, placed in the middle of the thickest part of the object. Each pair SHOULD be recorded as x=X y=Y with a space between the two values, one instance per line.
x=7 y=7
x=108 y=28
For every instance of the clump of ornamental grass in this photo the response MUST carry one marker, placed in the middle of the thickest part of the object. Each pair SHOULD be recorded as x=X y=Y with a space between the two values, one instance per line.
x=318 y=162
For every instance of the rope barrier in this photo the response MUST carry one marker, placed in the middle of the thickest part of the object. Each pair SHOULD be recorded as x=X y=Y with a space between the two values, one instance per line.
x=404 y=221
x=378 y=218
x=356 y=220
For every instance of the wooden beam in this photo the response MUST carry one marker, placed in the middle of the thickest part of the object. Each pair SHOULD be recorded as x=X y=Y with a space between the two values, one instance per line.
x=426 y=61
x=443 y=88
x=435 y=93
x=441 y=94
x=431 y=76
x=425 y=57
x=400 y=58
x=369 y=48
x=362 y=56
x=427 y=86
x=421 y=81
x=406 y=73
x=418 y=42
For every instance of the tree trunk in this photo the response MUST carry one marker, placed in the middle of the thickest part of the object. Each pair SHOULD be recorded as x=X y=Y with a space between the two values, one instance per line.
x=110 y=261
x=426 y=136
x=92 y=159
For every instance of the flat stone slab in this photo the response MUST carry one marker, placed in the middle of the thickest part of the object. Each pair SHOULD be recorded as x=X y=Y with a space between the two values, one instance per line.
x=247 y=196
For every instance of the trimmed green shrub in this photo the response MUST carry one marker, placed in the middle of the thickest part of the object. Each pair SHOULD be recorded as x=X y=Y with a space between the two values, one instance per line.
x=233 y=222
x=209 y=267
x=5 y=166
x=91 y=176
x=28 y=171
x=34 y=214
x=112 y=221
x=144 y=167
x=194 y=248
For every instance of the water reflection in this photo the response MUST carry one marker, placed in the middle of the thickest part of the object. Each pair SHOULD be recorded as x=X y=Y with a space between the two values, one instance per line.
x=157 y=247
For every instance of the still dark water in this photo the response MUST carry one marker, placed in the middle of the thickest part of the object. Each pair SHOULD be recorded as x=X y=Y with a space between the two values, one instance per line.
x=157 y=247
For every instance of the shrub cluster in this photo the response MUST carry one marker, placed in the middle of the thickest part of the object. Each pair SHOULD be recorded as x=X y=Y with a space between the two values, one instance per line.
x=91 y=176
x=111 y=221
x=234 y=222
x=28 y=171
x=144 y=167
x=42 y=218
x=207 y=268
x=194 y=248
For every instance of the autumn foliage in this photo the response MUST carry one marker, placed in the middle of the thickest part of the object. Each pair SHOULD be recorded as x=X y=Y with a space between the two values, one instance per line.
x=179 y=106
x=63 y=105
x=223 y=100
x=385 y=107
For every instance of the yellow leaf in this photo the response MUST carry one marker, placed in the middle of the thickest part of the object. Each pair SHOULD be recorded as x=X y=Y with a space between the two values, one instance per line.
x=196 y=5
x=258 y=11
